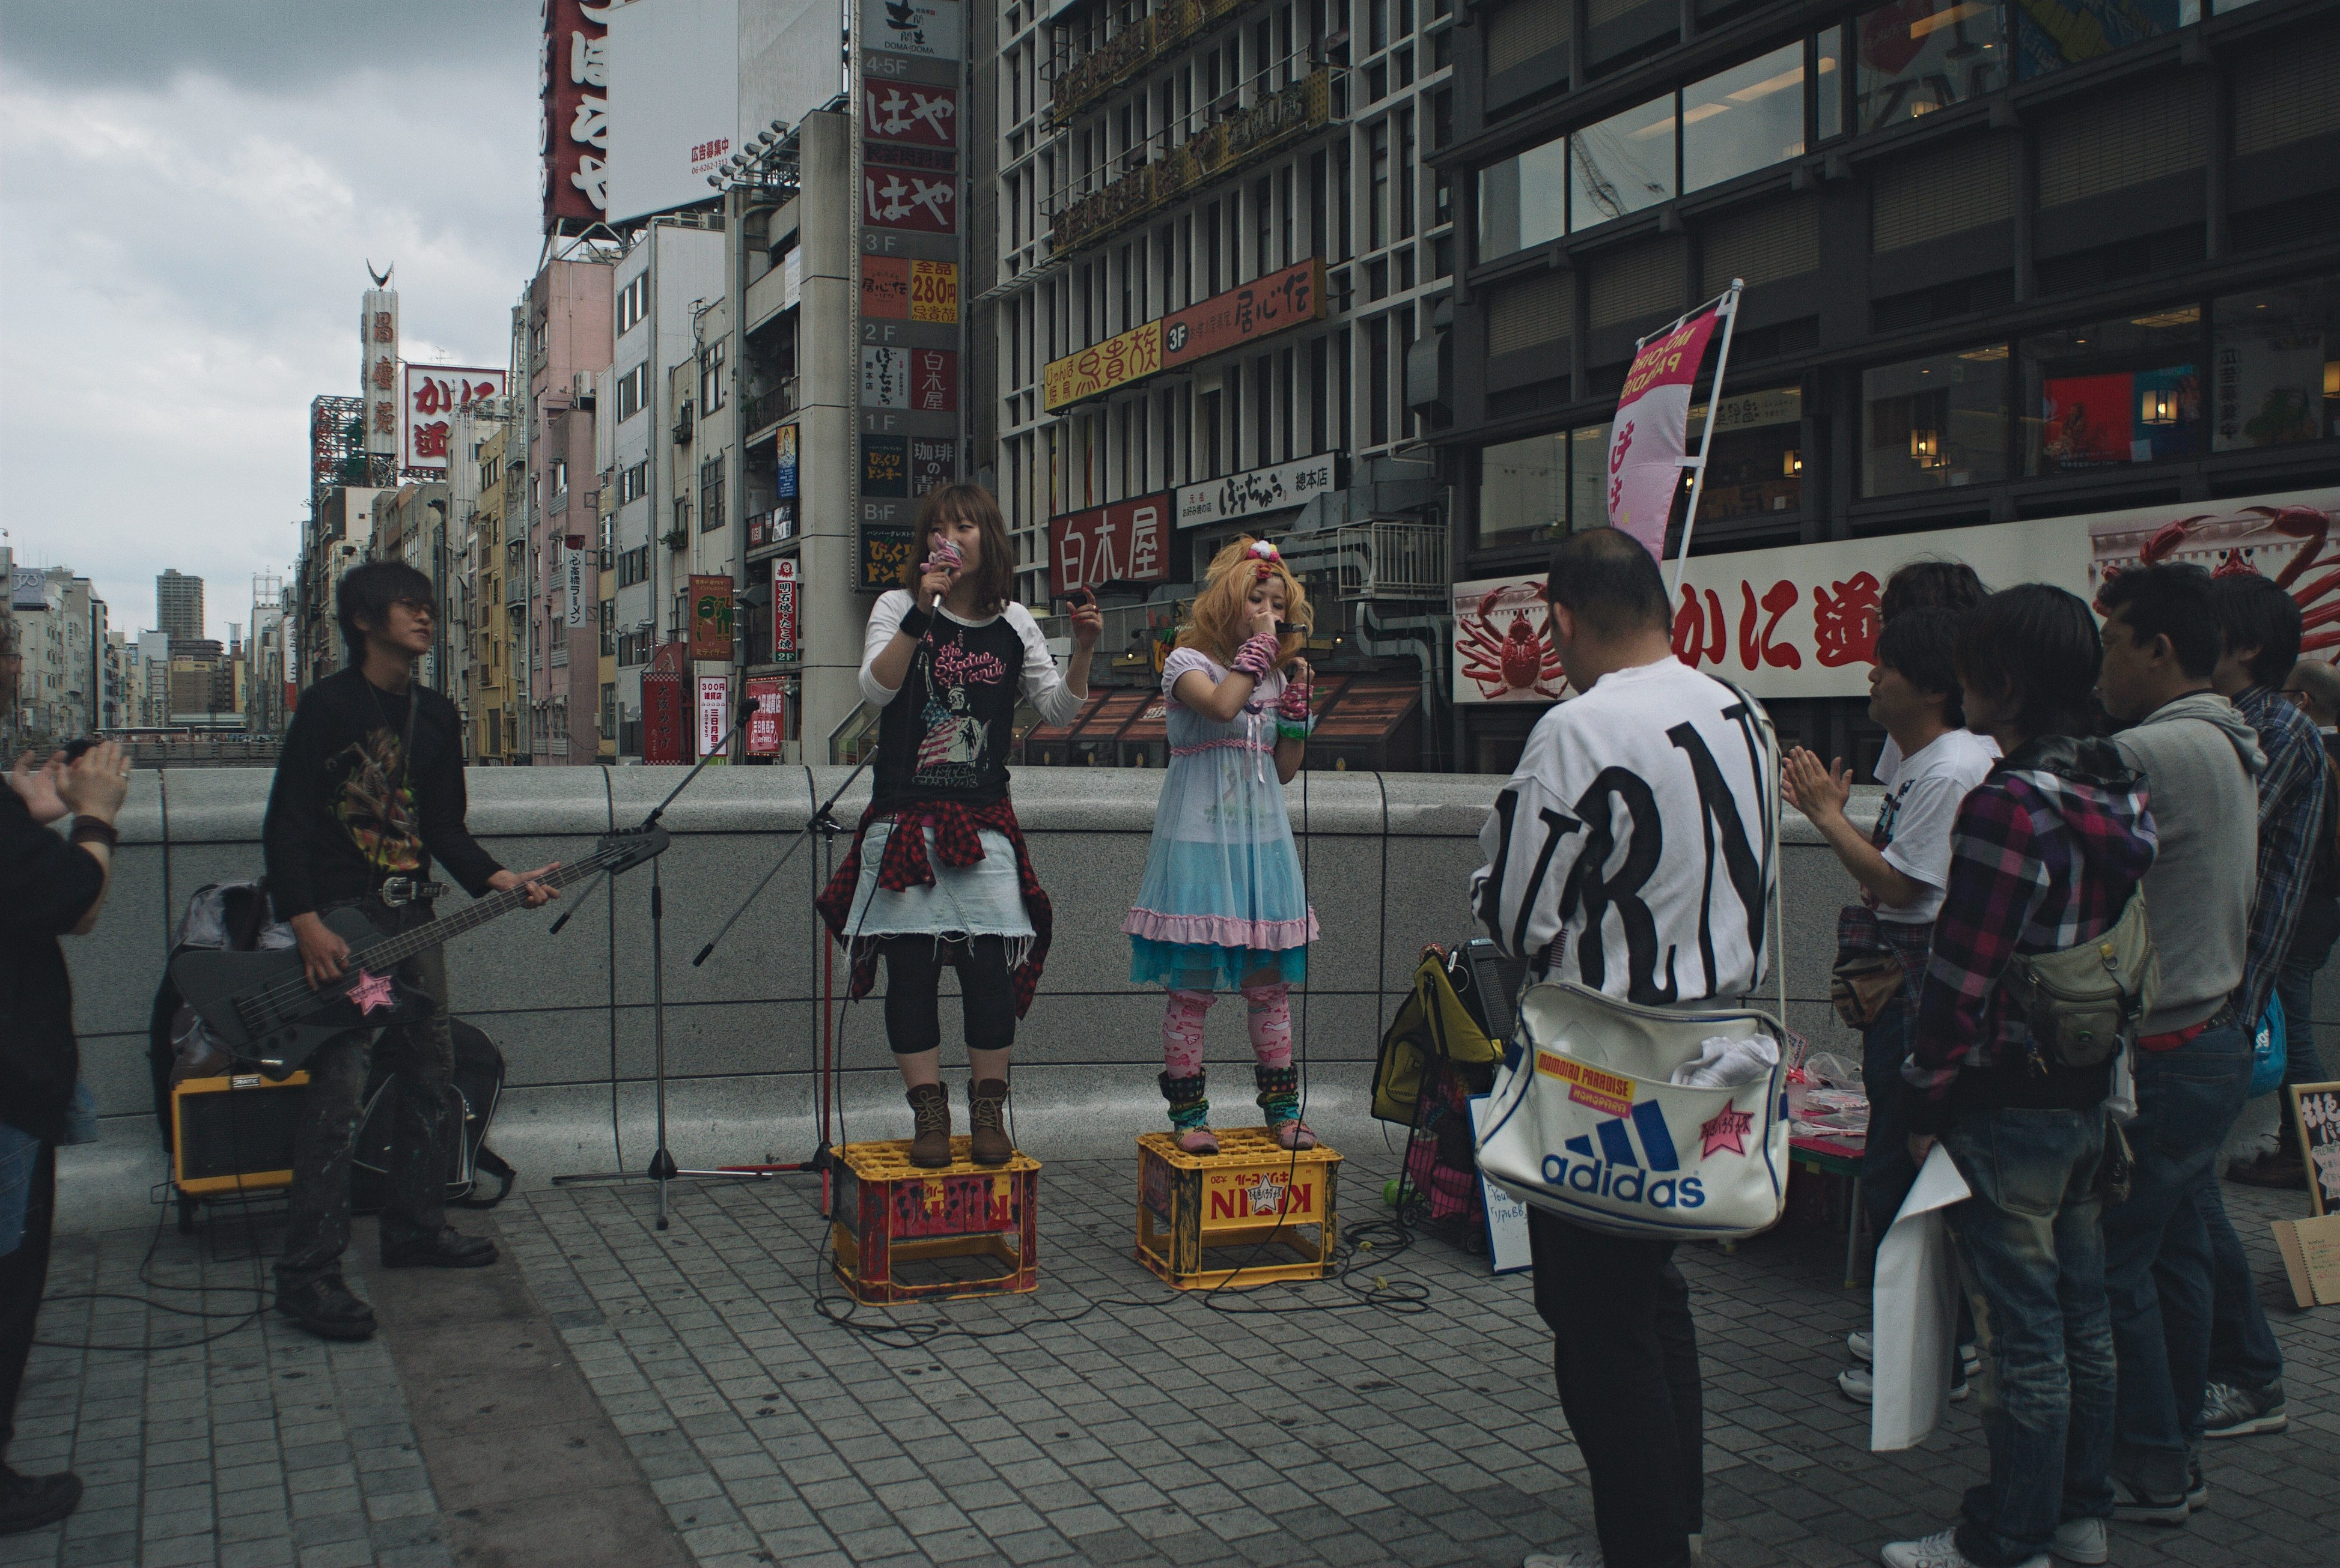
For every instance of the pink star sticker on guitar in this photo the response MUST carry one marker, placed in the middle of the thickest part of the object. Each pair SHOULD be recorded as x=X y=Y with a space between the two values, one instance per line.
x=370 y=991
x=1727 y=1132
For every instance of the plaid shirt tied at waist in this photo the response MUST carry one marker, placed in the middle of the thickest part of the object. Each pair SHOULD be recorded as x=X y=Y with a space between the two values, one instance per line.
x=958 y=841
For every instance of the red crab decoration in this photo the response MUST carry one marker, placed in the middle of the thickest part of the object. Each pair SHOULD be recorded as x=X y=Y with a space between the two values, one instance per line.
x=1516 y=661
x=2319 y=609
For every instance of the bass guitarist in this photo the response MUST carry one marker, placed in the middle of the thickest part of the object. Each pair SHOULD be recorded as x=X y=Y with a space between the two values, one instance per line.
x=369 y=789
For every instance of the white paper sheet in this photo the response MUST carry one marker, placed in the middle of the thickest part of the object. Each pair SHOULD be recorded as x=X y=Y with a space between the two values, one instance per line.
x=1916 y=1310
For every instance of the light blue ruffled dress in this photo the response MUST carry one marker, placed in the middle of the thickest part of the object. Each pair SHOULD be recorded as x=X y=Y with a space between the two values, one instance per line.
x=1223 y=895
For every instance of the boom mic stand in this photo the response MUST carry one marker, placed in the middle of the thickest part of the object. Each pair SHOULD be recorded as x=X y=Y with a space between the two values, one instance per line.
x=663 y=1167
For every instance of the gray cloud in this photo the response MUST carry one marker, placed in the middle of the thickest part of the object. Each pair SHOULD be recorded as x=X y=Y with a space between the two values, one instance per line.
x=184 y=225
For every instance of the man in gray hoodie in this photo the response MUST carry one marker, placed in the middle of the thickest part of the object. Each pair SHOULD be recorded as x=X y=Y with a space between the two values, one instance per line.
x=2192 y=1059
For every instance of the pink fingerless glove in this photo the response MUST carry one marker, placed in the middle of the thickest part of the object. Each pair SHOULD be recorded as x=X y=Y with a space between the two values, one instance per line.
x=1293 y=705
x=1256 y=658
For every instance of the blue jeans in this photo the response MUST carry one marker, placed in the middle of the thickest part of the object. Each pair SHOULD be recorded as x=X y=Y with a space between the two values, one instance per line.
x=2030 y=1247
x=2157 y=1251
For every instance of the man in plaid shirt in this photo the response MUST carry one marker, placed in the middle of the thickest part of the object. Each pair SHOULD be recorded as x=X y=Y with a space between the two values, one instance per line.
x=2047 y=853
x=2260 y=626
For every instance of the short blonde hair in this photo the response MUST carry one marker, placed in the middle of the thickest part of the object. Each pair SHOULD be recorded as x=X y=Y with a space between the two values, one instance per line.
x=1215 y=622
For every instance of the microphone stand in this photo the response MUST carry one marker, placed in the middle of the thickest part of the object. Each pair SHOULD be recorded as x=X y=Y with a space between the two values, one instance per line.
x=663 y=1167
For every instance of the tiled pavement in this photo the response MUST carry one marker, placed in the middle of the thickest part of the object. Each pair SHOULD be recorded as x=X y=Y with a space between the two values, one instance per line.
x=1331 y=1424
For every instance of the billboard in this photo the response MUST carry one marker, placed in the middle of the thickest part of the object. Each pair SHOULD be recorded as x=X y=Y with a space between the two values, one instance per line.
x=1269 y=489
x=764 y=726
x=573 y=90
x=378 y=369
x=427 y=404
x=710 y=617
x=714 y=714
x=1126 y=542
x=674 y=102
x=784 y=612
x=924 y=29
x=1289 y=297
x=789 y=61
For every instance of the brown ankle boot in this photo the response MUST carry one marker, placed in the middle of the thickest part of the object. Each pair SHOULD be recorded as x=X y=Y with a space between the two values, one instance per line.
x=931 y=1149
x=987 y=1105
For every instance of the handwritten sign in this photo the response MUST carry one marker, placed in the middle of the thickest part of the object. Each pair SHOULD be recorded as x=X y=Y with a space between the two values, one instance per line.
x=2315 y=1109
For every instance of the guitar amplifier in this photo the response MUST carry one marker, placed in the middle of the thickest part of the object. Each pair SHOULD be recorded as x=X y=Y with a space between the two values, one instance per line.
x=234 y=1133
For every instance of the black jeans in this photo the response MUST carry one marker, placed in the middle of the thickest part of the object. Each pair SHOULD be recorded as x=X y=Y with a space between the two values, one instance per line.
x=24 y=1275
x=423 y=1128
x=914 y=974
x=1625 y=1354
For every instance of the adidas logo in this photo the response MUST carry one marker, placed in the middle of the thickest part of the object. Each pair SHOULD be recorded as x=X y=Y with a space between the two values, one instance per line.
x=1608 y=1165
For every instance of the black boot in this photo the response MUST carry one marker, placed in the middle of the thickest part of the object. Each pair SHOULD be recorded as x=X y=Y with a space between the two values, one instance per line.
x=326 y=1309
x=29 y=1502
x=451 y=1248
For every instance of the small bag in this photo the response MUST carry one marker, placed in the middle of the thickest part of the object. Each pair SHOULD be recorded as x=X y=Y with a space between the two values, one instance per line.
x=1585 y=1122
x=2084 y=1003
x=1862 y=983
x=2269 y=1050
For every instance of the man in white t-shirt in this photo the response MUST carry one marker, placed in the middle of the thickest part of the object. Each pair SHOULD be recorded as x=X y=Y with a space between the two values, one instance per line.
x=1902 y=865
x=1632 y=852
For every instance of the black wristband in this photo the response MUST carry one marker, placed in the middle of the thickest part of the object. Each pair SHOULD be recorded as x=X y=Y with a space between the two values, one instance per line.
x=89 y=830
x=916 y=621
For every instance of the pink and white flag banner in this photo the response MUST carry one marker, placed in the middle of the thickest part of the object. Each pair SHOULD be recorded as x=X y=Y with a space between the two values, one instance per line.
x=1650 y=436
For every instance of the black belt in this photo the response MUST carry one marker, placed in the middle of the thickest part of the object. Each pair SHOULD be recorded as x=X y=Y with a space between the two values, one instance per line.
x=397 y=891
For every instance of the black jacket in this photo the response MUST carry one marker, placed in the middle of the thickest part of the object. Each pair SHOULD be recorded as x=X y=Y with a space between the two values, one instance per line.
x=335 y=830
x=46 y=886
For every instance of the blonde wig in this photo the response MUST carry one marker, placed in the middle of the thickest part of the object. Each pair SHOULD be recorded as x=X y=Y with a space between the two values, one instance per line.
x=1215 y=623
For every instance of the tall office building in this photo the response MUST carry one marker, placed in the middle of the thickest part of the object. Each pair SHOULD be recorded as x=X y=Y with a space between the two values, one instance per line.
x=179 y=606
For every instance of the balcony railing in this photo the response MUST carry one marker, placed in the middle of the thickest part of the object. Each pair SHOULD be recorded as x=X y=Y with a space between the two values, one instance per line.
x=1130 y=50
x=1391 y=560
x=1272 y=121
x=770 y=408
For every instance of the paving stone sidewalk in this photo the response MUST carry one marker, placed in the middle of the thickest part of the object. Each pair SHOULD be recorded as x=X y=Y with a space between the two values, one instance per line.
x=1103 y=1420
x=1317 y=1424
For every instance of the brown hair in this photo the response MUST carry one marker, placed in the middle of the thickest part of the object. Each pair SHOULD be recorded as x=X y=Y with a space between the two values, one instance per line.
x=995 y=574
x=1215 y=622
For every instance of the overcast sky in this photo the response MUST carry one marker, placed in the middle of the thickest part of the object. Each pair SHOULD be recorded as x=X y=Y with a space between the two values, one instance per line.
x=189 y=193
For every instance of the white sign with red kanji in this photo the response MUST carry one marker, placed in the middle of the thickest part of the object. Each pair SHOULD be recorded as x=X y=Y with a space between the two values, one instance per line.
x=427 y=409
x=1127 y=542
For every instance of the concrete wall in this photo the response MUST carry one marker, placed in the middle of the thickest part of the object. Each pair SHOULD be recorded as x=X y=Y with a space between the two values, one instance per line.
x=1387 y=857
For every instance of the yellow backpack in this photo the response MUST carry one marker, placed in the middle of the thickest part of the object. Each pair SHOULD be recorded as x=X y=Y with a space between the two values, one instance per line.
x=1438 y=1023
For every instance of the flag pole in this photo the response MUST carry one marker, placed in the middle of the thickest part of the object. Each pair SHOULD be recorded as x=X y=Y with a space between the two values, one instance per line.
x=1729 y=310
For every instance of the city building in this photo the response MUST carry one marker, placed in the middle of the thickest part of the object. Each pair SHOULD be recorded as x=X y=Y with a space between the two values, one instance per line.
x=179 y=605
x=153 y=680
x=499 y=588
x=340 y=535
x=411 y=526
x=2017 y=293
x=1206 y=245
x=569 y=305
x=267 y=656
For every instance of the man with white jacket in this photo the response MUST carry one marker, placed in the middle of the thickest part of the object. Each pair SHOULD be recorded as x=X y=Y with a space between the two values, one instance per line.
x=1631 y=853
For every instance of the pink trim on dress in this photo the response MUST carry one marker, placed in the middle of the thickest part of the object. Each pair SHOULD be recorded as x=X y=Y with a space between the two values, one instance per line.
x=1229 y=743
x=1220 y=929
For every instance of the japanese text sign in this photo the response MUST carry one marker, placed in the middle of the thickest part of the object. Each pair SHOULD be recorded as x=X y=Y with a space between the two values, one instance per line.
x=905 y=198
x=572 y=589
x=428 y=405
x=1255 y=309
x=573 y=87
x=1646 y=443
x=714 y=713
x=928 y=29
x=885 y=551
x=925 y=380
x=1123 y=357
x=710 y=617
x=784 y=612
x=769 y=696
x=909 y=112
x=1126 y=542
x=893 y=289
x=378 y=369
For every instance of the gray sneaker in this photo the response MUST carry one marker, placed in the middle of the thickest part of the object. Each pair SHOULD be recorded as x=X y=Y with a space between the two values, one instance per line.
x=2084 y=1541
x=1859 y=1383
x=2231 y=1412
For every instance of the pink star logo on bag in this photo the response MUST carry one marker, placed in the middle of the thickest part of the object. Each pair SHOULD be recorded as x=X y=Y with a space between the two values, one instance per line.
x=370 y=991
x=1727 y=1132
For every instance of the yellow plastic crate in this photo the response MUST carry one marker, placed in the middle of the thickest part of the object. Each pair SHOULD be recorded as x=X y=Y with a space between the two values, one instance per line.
x=889 y=1214
x=1253 y=1195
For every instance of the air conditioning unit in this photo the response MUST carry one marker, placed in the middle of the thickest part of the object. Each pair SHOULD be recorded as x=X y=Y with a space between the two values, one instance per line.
x=580 y=389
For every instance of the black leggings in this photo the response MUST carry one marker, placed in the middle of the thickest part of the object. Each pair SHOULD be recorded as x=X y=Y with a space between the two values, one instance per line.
x=914 y=973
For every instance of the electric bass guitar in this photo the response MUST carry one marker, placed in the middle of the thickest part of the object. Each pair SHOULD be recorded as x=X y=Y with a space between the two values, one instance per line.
x=259 y=1007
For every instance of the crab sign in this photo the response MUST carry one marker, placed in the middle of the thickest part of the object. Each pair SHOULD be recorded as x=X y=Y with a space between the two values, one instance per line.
x=1517 y=661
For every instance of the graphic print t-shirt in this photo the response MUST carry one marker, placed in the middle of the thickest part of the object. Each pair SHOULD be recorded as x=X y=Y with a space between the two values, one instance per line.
x=946 y=734
x=1634 y=844
x=343 y=816
x=1914 y=820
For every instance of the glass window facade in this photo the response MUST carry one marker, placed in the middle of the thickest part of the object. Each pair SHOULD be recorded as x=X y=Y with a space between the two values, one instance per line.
x=1622 y=165
x=1920 y=56
x=1756 y=464
x=1934 y=423
x=1523 y=200
x=1743 y=119
x=2049 y=37
x=2274 y=366
x=1542 y=487
x=2113 y=393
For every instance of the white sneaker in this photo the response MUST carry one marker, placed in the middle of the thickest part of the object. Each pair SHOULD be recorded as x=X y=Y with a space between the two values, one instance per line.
x=1860 y=1386
x=2082 y=1541
x=1863 y=1346
x=1942 y=1551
